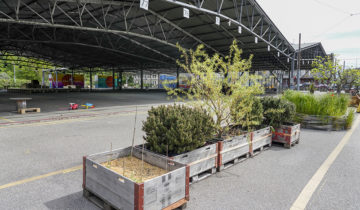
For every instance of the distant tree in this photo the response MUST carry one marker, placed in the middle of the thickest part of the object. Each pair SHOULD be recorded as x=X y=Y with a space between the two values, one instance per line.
x=130 y=80
x=326 y=70
x=5 y=79
x=26 y=69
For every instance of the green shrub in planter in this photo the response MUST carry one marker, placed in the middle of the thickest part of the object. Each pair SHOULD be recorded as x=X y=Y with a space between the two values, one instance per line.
x=247 y=112
x=277 y=111
x=172 y=130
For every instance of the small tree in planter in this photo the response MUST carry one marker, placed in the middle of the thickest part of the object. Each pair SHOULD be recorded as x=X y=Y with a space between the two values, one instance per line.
x=183 y=133
x=173 y=130
x=279 y=113
x=214 y=82
x=247 y=112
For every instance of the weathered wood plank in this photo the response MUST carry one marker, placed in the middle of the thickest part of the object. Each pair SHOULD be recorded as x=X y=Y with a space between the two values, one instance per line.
x=230 y=151
x=261 y=138
x=199 y=160
x=163 y=191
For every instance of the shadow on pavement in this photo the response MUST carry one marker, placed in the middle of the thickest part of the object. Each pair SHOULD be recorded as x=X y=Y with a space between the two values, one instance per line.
x=72 y=201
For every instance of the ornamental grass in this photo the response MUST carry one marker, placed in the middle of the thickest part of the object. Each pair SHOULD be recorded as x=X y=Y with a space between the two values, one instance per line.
x=323 y=105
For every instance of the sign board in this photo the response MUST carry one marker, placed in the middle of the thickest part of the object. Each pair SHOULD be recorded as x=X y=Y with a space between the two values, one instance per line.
x=144 y=4
x=67 y=79
x=217 y=20
x=186 y=13
x=106 y=81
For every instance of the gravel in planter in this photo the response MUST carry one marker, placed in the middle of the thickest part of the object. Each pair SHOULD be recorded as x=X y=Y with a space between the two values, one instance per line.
x=134 y=169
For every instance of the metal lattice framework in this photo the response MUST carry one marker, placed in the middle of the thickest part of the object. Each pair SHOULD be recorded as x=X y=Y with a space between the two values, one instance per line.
x=309 y=52
x=105 y=33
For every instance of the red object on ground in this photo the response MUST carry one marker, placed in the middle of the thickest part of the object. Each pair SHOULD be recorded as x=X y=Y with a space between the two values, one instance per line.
x=74 y=106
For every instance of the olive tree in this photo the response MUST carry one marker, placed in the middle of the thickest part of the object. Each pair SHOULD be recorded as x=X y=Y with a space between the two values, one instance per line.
x=217 y=82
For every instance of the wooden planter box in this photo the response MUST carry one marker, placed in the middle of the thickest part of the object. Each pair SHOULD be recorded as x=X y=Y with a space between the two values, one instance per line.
x=322 y=122
x=167 y=191
x=260 y=140
x=287 y=135
x=202 y=161
x=233 y=151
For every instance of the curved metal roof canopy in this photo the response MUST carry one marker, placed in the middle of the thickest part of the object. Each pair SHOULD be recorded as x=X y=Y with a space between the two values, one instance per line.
x=105 y=33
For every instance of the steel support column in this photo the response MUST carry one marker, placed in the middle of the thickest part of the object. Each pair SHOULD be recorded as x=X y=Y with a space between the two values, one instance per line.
x=14 y=73
x=281 y=81
x=159 y=80
x=72 y=77
x=292 y=72
x=299 y=66
x=142 y=79
x=90 y=81
x=177 y=78
x=43 y=79
x=120 y=80
x=113 y=76
x=56 y=79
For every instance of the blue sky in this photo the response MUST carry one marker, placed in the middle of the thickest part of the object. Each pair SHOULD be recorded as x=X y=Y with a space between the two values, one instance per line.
x=344 y=35
x=326 y=21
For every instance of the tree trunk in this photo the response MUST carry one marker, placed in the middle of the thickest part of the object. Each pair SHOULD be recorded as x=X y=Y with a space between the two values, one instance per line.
x=338 y=89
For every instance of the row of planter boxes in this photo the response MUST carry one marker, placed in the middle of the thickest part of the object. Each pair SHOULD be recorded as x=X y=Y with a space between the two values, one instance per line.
x=172 y=189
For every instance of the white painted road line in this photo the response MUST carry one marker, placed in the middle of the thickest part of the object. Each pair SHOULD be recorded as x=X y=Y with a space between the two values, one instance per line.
x=306 y=194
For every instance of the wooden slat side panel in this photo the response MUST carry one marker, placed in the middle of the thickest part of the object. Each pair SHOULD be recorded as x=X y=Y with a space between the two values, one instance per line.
x=106 y=184
x=200 y=160
x=110 y=155
x=295 y=132
x=108 y=196
x=236 y=147
x=261 y=137
x=262 y=142
x=165 y=190
x=157 y=160
x=287 y=134
x=260 y=133
x=294 y=128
